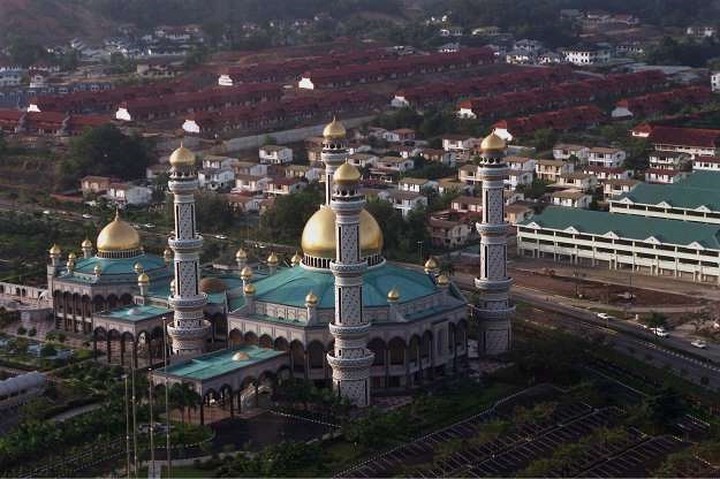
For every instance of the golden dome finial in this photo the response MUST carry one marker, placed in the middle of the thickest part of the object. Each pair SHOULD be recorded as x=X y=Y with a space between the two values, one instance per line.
x=138 y=267
x=492 y=142
x=143 y=278
x=55 y=250
x=249 y=289
x=443 y=280
x=273 y=259
x=97 y=270
x=431 y=265
x=296 y=259
x=182 y=157
x=86 y=244
x=393 y=294
x=246 y=274
x=167 y=255
x=334 y=130
x=72 y=256
x=241 y=254
x=346 y=174
x=311 y=299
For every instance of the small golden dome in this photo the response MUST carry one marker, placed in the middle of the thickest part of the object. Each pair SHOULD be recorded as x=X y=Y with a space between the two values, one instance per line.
x=72 y=257
x=172 y=287
x=334 y=130
x=168 y=255
x=246 y=274
x=241 y=254
x=70 y=265
x=296 y=259
x=97 y=270
x=86 y=244
x=492 y=142
x=249 y=289
x=443 y=280
x=347 y=174
x=318 y=238
x=55 y=250
x=240 y=356
x=311 y=299
x=143 y=278
x=273 y=259
x=138 y=268
x=431 y=265
x=118 y=236
x=212 y=285
x=182 y=157
x=393 y=294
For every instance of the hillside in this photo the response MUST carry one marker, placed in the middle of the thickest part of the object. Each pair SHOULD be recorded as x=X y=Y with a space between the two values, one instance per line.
x=49 y=22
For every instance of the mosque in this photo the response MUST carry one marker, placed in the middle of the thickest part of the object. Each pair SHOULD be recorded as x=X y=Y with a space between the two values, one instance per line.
x=339 y=314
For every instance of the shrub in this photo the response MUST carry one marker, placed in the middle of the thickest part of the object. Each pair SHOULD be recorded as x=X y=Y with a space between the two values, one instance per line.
x=21 y=330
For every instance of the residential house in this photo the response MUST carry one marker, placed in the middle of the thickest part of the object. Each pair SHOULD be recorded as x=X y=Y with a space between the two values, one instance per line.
x=693 y=141
x=511 y=197
x=250 y=168
x=124 y=194
x=517 y=212
x=668 y=160
x=217 y=161
x=468 y=174
x=586 y=54
x=363 y=160
x=451 y=185
x=404 y=201
x=243 y=203
x=613 y=188
x=275 y=155
x=550 y=170
x=711 y=163
x=284 y=186
x=95 y=184
x=401 y=135
x=416 y=185
x=439 y=156
x=566 y=151
x=395 y=164
x=461 y=144
x=303 y=171
x=606 y=157
x=578 y=180
x=518 y=178
x=571 y=198
x=445 y=233
x=216 y=178
x=253 y=184
x=653 y=175
x=467 y=205
x=715 y=82
x=602 y=173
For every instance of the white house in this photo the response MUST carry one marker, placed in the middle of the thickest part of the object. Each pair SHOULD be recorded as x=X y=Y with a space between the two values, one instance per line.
x=216 y=178
x=550 y=170
x=667 y=160
x=664 y=176
x=275 y=155
x=565 y=151
x=578 y=180
x=446 y=233
x=250 y=168
x=250 y=183
x=363 y=160
x=571 y=198
x=710 y=163
x=416 y=185
x=614 y=188
x=284 y=186
x=458 y=143
x=403 y=201
x=606 y=157
x=216 y=161
x=395 y=163
x=586 y=54
x=715 y=82
x=127 y=194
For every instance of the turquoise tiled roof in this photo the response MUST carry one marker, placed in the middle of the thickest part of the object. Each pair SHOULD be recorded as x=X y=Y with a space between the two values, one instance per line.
x=289 y=286
x=628 y=226
x=220 y=362
x=135 y=313
x=698 y=189
x=116 y=269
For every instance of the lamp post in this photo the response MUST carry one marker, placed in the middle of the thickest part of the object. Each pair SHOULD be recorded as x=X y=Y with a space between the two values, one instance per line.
x=420 y=249
x=167 y=400
x=134 y=417
x=127 y=425
x=152 y=425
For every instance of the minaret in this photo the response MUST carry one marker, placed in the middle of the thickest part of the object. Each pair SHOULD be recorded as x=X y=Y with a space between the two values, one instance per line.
x=351 y=360
x=333 y=154
x=493 y=309
x=189 y=329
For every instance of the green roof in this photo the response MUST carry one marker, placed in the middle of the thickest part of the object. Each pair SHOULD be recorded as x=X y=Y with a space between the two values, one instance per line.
x=117 y=269
x=701 y=188
x=135 y=313
x=220 y=362
x=289 y=286
x=634 y=227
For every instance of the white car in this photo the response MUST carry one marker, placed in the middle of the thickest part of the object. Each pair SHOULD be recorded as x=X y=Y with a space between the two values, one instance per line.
x=660 y=332
x=221 y=237
x=87 y=216
x=149 y=226
x=699 y=343
x=605 y=316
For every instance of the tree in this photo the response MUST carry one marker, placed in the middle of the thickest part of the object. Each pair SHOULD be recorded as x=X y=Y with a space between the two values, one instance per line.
x=655 y=320
x=284 y=222
x=47 y=350
x=664 y=408
x=105 y=151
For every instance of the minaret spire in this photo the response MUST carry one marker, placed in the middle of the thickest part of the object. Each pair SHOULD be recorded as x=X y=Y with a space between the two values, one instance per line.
x=351 y=360
x=333 y=154
x=493 y=309
x=189 y=329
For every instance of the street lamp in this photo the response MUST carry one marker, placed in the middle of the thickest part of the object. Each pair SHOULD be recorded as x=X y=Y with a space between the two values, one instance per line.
x=127 y=425
x=420 y=248
x=167 y=399
x=152 y=425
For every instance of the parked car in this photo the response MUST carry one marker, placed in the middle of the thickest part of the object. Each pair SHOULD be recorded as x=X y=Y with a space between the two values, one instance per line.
x=660 y=332
x=699 y=343
x=605 y=316
x=221 y=237
x=87 y=216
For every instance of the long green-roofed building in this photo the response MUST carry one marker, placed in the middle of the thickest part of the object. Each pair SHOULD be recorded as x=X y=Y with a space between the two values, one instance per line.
x=662 y=247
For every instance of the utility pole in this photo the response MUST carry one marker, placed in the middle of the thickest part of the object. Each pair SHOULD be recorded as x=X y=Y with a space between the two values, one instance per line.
x=127 y=426
x=167 y=401
x=134 y=418
x=152 y=424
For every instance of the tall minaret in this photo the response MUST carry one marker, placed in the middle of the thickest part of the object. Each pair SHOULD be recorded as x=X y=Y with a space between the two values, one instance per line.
x=189 y=329
x=493 y=309
x=351 y=360
x=333 y=154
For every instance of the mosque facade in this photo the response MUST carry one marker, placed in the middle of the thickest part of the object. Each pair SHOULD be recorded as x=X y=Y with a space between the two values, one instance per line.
x=338 y=314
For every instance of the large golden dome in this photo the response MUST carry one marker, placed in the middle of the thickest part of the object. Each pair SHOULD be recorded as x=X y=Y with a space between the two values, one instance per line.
x=118 y=236
x=318 y=238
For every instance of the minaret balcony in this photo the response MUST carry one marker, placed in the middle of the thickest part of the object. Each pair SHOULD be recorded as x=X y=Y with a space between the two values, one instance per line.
x=490 y=285
x=349 y=332
x=344 y=268
x=185 y=244
x=189 y=333
x=364 y=362
x=492 y=229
